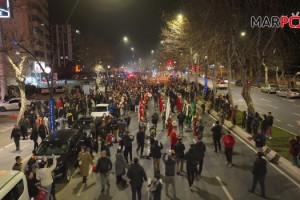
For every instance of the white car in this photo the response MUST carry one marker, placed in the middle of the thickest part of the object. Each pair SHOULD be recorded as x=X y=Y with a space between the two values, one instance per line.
x=222 y=85
x=12 y=104
x=59 y=89
x=100 y=109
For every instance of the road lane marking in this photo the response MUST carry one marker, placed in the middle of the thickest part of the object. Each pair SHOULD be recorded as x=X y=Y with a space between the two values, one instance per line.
x=278 y=120
x=274 y=99
x=290 y=125
x=6 y=129
x=224 y=188
x=296 y=114
x=8 y=145
x=272 y=106
x=265 y=100
x=274 y=166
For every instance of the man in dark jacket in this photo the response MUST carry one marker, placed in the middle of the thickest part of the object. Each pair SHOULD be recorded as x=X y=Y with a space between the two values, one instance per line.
x=137 y=176
x=191 y=164
x=156 y=155
x=200 y=149
x=217 y=133
x=104 y=167
x=259 y=172
x=180 y=118
x=42 y=130
x=127 y=142
x=179 y=153
x=140 y=138
x=155 y=119
x=270 y=120
x=16 y=134
x=169 y=171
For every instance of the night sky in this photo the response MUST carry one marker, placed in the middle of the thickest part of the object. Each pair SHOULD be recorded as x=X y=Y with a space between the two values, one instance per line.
x=140 y=20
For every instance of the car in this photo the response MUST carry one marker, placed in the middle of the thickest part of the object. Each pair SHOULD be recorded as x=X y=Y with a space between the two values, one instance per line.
x=288 y=93
x=221 y=85
x=44 y=90
x=59 y=89
x=84 y=123
x=269 y=88
x=13 y=185
x=100 y=110
x=66 y=145
x=12 y=104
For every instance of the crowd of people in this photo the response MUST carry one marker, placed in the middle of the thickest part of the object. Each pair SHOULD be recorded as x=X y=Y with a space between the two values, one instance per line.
x=173 y=105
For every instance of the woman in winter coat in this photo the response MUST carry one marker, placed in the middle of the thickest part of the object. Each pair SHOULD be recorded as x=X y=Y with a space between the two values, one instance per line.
x=85 y=160
x=294 y=149
x=120 y=166
x=229 y=142
x=34 y=136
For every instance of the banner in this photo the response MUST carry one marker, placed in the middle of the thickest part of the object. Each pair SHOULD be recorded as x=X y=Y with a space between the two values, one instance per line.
x=168 y=109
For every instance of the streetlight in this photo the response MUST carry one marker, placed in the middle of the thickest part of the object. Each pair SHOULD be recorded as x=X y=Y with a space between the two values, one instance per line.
x=179 y=17
x=125 y=39
x=243 y=33
x=152 y=51
x=132 y=49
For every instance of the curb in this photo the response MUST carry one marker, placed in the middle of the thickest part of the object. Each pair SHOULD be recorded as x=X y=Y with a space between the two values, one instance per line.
x=284 y=164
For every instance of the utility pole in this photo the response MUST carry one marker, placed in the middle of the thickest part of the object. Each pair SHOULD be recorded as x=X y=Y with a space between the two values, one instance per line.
x=3 y=85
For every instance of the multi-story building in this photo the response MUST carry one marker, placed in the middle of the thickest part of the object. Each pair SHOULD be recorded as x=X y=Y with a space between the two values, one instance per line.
x=29 y=25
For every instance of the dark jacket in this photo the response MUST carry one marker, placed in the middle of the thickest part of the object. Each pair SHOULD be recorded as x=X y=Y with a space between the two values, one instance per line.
x=217 y=131
x=264 y=126
x=136 y=174
x=270 y=120
x=191 y=162
x=34 y=134
x=104 y=165
x=16 y=133
x=180 y=118
x=140 y=137
x=259 y=167
x=156 y=150
x=169 y=165
x=156 y=188
x=260 y=140
x=127 y=141
x=154 y=118
x=200 y=149
x=179 y=150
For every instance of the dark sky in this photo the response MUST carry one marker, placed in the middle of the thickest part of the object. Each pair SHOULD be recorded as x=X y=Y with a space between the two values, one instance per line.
x=140 y=20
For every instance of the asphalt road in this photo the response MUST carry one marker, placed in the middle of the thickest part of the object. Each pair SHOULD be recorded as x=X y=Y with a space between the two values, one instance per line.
x=286 y=112
x=218 y=182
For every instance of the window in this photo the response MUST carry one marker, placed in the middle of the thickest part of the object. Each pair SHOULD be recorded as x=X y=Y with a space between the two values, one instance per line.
x=15 y=192
x=101 y=109
x=13 y=101
x=52 y=147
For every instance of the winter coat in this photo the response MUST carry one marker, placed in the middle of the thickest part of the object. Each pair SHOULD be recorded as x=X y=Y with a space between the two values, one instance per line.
x=294 y=147
x=127 y=141
x=120 y=164
x=86 y=160
x=140 y=137
x=228 y=141
x=260 y=140
x=34 y=134
x=156 y=150
x=104 y=165
x=136 y=174
x=16 y=133
x=200 y=149
x=259 y=167
x=217 y=131
x=45 y=174
x=179 y=150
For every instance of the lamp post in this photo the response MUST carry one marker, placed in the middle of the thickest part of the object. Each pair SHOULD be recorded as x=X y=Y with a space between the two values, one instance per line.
x=50 y=86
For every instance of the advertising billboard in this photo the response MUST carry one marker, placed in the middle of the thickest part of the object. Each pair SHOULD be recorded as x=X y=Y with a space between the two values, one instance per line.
x=5 y=9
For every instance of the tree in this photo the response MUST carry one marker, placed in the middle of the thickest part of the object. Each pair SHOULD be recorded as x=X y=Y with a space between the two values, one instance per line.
x=19 y=73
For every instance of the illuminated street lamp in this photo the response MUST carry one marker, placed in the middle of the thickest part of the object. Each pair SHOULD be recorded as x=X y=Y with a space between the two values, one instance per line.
x=152 y=51
x=179 y=17
x=243 y=34
x=132 y=49
x=47 y=70
x=125 y=39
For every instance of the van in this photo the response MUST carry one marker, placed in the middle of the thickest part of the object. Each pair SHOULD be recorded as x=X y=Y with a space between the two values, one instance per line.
x=13 y=186
x=100 y=110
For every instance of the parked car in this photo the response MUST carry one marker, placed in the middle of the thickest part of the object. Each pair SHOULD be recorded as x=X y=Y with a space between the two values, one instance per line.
x=45 y=91
x=84 y=123
x=12 y=104
x=222 y=85
x=288 y=93
x=269 y=88
x=13 y=185
x=59 y=89
x=66 y=145
x=100 y=109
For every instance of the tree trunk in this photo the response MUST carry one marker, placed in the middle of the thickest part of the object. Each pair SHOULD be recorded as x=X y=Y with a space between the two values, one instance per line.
x=229 y=77
x=277 y=77
x=266 y=73
x=21 y=86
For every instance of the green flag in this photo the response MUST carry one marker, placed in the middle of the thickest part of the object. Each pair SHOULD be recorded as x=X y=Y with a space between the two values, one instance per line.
x=194 y=108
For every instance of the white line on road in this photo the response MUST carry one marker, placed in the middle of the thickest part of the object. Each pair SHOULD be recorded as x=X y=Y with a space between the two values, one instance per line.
x=274 y=99
x=224 y=188
x=8 y=145
x=278 y=120
x=6 y=129
x=290 y=125
x=272 y=106
x=296 y=114
x=265 y=100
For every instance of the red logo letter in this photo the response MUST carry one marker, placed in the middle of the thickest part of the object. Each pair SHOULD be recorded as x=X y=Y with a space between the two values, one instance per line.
x=283 y=20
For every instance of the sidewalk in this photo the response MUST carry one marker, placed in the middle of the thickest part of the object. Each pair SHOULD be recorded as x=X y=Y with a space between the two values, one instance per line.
x=283 y=164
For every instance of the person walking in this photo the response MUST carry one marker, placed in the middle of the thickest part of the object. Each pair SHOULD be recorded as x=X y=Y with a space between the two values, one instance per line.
x=42 y=130
x=173 y=135
x=180 y=119
x=85 y=160
x=259 y=172
x=200 y=150
x=137 y=176
x=23 y=124
x=120 y=165
x=229 y=142
x=104 y=166
x=44 y=174
x=156 y=148
x=127 y=142
x=154 y=119
x=18 y=166
x=179 y=149
x=140 y=138
x=260 y=141
x=16 y=134
x=34 y=136
x=191 y=164
x=170 y=164
x=217 y=133
x=270 y=120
